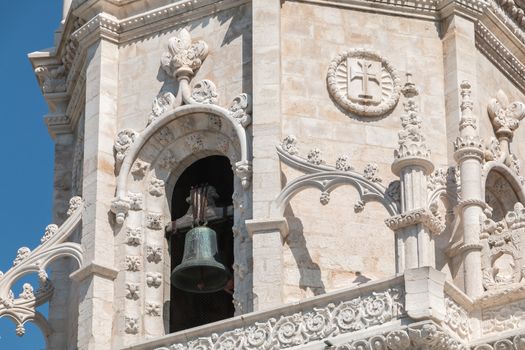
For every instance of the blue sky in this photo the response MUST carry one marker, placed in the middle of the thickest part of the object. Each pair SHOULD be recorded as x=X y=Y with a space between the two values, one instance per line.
x=26 y=173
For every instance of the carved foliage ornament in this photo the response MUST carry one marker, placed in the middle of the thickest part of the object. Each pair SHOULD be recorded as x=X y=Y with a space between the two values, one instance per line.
x=183 y=54
x=123 y=142
x=363 y=82
x=303 y=327
x=505 y=116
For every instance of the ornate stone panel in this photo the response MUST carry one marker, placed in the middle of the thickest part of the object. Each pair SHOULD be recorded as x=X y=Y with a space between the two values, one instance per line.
x=363 y=82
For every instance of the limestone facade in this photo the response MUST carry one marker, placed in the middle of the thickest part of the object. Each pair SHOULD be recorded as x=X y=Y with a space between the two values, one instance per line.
x=375 y=146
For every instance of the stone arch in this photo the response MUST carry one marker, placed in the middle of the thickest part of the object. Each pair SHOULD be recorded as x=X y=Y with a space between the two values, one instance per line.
x=501 y=189
x=328 y=181
x=147 y=177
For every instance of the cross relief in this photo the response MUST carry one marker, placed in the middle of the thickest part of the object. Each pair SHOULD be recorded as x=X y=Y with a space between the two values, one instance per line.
x=364 y=80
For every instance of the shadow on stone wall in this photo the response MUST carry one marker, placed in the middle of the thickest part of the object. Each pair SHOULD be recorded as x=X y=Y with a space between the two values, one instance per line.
x=310 y=272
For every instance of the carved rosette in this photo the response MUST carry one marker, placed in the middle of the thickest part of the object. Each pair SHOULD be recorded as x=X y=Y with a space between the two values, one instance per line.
x=363 y=83
x=183 y=57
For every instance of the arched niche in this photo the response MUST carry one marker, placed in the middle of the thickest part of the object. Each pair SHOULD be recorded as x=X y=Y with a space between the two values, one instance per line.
x=501 y=190
x=148 y=176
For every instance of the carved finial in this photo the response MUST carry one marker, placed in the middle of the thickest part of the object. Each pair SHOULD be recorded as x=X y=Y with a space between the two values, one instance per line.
x=468 y=119
x=409 y=90
x=411 y=140
x=505 y=116
x=183 y=57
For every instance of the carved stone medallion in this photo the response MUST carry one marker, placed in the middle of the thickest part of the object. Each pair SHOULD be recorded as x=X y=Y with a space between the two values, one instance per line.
x=363 y=83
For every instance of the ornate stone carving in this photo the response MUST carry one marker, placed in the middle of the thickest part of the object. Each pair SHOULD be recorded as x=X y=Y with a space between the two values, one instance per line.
x=120 y=207
x=437 y=179
x=214 y=122
x=468 y=144
x=493 y=150
x=21 y=254
x=27 y=292
x=324 y=198
x=502 y=318
x=75 y=203
x=195 y=142
x=205 y=92
x=516 y=342
x=133 y=263
x=300 y=328
x=152 y=309
x=314 y=157
x=123 y=142
x=53 y=79
x=135 y=201
x=132 y=325
x=49 y=233
x=240 y=109
x=502 y=251
x=165 y=136
x=161 y=104
x=414 y=217
x=183 y=55
x=243 y=170
x=134 y=236
x=457 y=319
x=342 y=164
x=20 y=330
x=132 y=291
x=370 y=172
x=411 y=139
x=154 y=254
x=505 y=116
x=156 y=187
x=289 y=145
x=139 y=168
x=154 y=221
x=394 y=191
x=168 y=160
x=363 y=83
x=153 y=279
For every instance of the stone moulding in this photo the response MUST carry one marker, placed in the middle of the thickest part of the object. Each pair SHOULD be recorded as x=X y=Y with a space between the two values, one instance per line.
x=326 y=178
x=54 y=245
x=338 y=77
x=339 y=313
x=414 y=217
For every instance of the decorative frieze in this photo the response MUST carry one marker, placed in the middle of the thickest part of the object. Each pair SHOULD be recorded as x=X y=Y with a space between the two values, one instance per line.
x=516 y=342
x=415 y=217
x=363 y=83
x=457 y=318
x=319 y=323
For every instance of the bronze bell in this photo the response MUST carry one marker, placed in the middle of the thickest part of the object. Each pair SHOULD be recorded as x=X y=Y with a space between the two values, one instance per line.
x=200 y=270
